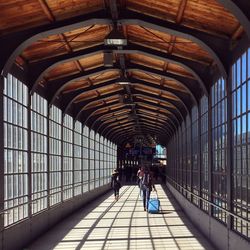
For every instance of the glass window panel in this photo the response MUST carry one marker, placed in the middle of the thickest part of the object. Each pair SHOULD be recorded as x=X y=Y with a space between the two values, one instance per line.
x=244 y=130
x=248 y=95
x=238 y=72
x=238 y=101
x=244 y=67
x=248 y=132
x=244 y=98
x=15 y=160
x=248 y=63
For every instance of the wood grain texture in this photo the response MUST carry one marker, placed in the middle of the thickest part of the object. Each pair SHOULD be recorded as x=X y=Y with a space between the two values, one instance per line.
x=162 y=41
x=158 y=64
x=77 y=39
x=158 y=81
x=206 y=15
x=18 y=15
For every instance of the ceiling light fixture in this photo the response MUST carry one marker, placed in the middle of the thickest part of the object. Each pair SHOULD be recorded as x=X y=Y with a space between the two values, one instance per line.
x=123 y=80
x=115 y=38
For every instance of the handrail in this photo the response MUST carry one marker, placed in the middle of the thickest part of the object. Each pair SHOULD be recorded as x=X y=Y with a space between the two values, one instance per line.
x=209 y=202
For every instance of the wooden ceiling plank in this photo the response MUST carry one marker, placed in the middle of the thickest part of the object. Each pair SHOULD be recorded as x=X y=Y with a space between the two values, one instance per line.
x=79 y=66
x=181 y=10
x=171 y=44
x=66 y=44
x=47 y=10
x=238 y=32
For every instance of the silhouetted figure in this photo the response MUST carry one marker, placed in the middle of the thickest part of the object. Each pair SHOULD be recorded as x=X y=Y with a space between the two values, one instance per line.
x=115 y=183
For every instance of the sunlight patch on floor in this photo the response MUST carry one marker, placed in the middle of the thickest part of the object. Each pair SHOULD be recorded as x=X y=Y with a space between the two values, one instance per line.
x=125 y=225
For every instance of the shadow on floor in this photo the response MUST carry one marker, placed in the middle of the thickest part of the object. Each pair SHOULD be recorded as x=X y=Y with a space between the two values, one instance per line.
x=106 y=224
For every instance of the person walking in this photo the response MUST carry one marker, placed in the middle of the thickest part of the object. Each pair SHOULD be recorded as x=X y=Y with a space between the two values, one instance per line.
x=139 y=176
x=147 y=185
x=115 y=183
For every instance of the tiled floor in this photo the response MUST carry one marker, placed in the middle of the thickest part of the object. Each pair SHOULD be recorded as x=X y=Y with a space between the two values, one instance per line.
x=105 y=224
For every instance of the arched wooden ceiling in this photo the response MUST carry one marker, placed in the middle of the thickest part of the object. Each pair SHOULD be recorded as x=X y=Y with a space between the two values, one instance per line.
x=176 y=48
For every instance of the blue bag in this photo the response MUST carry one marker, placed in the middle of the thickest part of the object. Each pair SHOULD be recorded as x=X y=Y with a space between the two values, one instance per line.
x=153 y=205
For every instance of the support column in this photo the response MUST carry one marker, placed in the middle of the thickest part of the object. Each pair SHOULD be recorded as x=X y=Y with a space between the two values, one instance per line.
x=73 y=159
x=229 y=166
x=89 y=160
x=186 y=146
x=191 y=158
x=30 y=203
x=199 y=154
x=47 y=154
x=210 y=151
x=62 y=191
x=82 y=150
x=1 y=155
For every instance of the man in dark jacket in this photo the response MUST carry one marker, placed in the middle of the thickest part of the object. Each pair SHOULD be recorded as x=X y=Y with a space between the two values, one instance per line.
x=115 y=183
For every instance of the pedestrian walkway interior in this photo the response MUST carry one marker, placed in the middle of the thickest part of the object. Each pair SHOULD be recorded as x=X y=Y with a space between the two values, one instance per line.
x=92 y=86
x=123 y=225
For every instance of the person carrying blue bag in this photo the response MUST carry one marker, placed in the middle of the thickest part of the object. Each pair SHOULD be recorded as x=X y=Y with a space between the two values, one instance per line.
x=147 y=185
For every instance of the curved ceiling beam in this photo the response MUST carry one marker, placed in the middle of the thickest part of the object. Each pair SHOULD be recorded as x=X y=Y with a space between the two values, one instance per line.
x=151 y=104
x=240 y=9
x=121 y=138
x=146 y=131
x=216 y=46
x=57 y=86
x=118 y=129
x=146 y=128
x=163 y=122
x=177 y=94
x=40 y=68
x=15 y=43
x=159 y=98
x=122 y=141
x=97 y=124
x=156 y=105
x=82 y=105
x=116 y=136
x=93 y=111
x=158 y=111
x=190 y=85
x=153 y=123
x=70 y=98
x=123 y=126
x=95 y=119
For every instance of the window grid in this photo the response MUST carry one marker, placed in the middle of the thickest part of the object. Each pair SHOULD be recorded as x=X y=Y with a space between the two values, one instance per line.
x=85 y=159
x=77 y=175
x=98 y=172
x=71 y=166
x=55 y=159
x=241 y=142
x=195 y=151
x=219 y=145
x=39 y=168
x=204 y=151
x=67 y=157
x=184 y=157
x=91 y=159
x=15 y=150
x=189 y=155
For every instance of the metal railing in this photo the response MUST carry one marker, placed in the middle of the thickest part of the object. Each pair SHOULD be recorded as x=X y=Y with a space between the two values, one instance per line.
x=207 y=201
